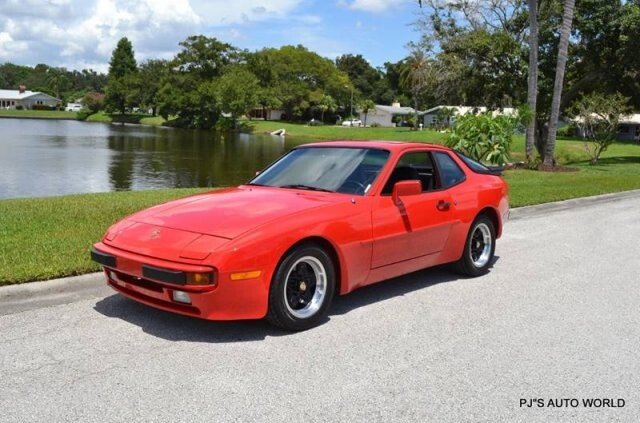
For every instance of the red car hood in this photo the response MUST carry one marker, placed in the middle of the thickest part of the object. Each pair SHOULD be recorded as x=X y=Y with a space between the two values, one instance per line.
x=231 y=212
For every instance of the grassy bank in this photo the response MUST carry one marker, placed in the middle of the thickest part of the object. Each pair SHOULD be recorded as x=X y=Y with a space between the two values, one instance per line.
x=334 y=132
x=43 y=238
x=38 y=114
x=104 y=117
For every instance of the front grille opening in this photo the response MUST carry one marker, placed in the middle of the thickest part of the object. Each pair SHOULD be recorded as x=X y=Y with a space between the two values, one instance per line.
x=142 y=283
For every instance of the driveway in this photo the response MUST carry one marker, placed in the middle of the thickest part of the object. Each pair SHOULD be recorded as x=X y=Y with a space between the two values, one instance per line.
x=557 y=318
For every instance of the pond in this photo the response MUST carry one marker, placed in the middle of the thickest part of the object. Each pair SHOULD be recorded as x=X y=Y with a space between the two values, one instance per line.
x=55 y=157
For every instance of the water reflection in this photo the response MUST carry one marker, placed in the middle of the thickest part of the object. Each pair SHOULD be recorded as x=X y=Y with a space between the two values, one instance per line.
x=41 y=158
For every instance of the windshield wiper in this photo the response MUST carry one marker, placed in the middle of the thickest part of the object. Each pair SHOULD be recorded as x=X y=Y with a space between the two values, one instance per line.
x=307 y=187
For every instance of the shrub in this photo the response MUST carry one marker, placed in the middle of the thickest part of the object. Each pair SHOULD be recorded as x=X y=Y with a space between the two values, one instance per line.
x=598 y=116
x=93 y=101
x=83 y=114
x=42 y=107
x=375 y=125
x=484 y=137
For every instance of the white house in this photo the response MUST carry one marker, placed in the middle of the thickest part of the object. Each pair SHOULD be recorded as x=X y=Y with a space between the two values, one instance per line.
x=266 y=114
x=431 y=116
x=383 y=115
x=10 y=99
x=628 y=127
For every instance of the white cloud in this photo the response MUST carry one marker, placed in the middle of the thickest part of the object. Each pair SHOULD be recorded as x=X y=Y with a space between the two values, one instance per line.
x=8 y=46
x=73 y=32
x=228 y=12
x=375 y=5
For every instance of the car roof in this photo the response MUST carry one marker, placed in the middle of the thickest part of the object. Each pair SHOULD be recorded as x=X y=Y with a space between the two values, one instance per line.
x=379 y=144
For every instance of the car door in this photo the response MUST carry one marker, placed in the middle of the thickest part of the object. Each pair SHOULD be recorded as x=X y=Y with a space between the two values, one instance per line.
x=420 y=224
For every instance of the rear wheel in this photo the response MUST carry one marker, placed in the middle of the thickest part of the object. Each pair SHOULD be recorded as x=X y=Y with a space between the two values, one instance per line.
x=479 y=248
x=302 y=288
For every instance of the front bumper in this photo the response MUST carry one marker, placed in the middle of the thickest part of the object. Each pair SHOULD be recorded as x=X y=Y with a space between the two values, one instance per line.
x=226 y=300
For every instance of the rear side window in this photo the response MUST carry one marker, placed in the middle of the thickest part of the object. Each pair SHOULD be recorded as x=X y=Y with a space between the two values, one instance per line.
x=473 y=165
x=450 y=172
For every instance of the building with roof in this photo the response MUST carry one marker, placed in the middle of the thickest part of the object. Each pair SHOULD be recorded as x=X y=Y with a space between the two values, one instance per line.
x=383 y=115
x=24 y=99
x=433 y=116
x=628 y=127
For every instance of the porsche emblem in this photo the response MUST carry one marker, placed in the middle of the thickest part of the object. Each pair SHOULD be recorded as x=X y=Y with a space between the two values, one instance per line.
x=155 y=234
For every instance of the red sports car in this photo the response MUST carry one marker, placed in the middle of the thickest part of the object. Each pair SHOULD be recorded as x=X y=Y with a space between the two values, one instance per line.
x=325 y=218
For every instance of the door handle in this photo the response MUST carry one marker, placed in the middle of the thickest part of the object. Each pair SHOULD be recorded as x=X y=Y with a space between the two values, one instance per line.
x=443 y=205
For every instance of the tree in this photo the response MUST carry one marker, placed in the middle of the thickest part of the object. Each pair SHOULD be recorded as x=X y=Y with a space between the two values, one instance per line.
x=237 y=91
x=205 y=57
x=57 y=80
x=298 y=78
x=122 y=76
x=366 y=79
x=478 y=50
x=532 y=88
x=327 y=103
x=188 y=92
x=598 y=116
x=565 y=32
x=444 y=116
x=415 y=76
x=366 y=106
x=151 y=74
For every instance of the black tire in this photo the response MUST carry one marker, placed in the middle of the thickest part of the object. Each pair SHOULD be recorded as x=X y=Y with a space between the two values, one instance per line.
x=477 y=258
x=302 y=288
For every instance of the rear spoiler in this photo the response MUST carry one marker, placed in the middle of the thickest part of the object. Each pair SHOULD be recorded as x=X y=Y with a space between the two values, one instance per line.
x=495 y=170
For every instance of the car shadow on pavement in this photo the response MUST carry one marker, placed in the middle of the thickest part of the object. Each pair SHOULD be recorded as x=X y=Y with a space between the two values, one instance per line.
x=174 y=327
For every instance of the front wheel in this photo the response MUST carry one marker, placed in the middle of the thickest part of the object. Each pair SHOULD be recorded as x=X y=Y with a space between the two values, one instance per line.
x=478 y=249
x=302 y=288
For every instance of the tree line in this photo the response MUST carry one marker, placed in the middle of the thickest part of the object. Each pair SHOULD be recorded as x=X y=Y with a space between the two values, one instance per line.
x=67 y=85
x=208 y=77
x=551 y=55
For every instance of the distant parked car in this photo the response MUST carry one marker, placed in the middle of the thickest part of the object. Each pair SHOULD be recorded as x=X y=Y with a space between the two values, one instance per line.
x=73 y=107
x=354 y=122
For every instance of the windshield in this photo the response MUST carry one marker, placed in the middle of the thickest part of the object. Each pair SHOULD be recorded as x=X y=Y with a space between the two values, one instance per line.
x=335 y=169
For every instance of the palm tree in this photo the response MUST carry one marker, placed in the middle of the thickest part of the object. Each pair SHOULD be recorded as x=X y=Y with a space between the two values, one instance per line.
x=56 y=79
x=326 y=103
x=532 y=91
x=415 y=76
x=366 y=106
x=563 y=47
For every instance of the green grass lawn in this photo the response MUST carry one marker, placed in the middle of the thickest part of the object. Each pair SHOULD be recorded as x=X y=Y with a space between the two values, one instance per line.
x=43 y=238
x=334 y=132
x=39 y=114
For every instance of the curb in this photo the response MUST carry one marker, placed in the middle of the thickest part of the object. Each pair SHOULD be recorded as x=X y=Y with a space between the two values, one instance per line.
x=546 y=208
x=30 y=295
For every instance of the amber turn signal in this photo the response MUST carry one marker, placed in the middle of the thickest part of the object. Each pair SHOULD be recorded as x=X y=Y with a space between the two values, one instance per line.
x=200 y=279
x=245 y=275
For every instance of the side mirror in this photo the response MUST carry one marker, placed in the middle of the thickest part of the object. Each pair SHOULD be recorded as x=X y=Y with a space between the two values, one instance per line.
x=406 y=188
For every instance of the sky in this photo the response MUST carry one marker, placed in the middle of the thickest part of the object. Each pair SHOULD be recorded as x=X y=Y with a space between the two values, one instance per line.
x=80 y=34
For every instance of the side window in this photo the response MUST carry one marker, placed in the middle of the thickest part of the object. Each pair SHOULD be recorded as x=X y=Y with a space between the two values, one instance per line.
x=450 y=172
x=415 y=165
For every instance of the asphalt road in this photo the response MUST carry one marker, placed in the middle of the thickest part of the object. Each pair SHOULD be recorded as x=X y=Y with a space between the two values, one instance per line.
x=557 y=318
